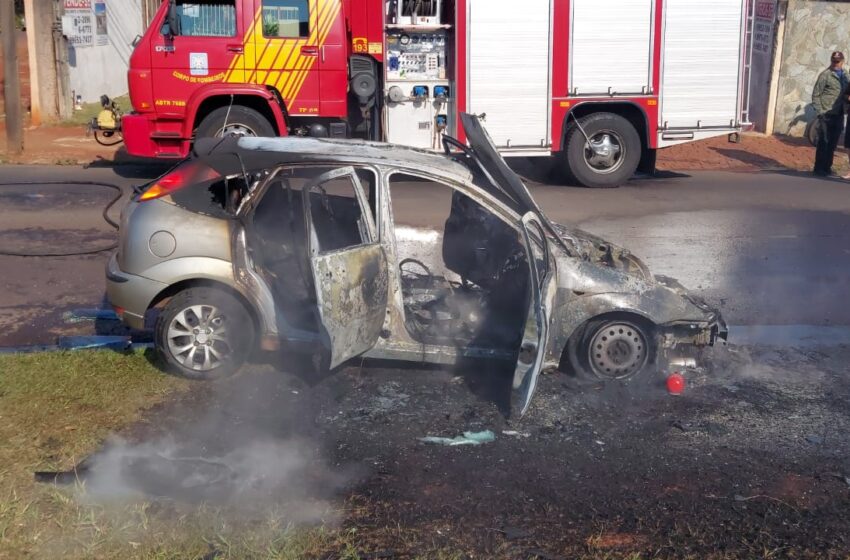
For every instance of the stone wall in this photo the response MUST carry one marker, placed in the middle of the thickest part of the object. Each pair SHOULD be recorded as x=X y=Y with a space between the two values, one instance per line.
x=813 y=29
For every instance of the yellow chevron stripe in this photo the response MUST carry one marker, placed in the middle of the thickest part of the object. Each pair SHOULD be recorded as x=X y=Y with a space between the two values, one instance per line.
x=323 y=31
x=282 y=65
x=294 y=53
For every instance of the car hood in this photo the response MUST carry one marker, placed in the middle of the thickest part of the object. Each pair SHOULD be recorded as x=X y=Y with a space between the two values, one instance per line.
x=598 y=251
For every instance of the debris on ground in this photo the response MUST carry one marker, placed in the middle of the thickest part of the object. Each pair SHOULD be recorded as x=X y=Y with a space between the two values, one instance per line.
x=88 y=342
x=84 y=315
x=514 y=433
x=514 y=533
x=468 y=438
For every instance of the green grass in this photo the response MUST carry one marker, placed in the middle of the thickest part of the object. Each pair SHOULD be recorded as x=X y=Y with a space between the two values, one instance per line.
x=90 y=110
x=55 y=409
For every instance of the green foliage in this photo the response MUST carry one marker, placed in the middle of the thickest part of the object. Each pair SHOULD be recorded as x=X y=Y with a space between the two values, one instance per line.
x=271 y=27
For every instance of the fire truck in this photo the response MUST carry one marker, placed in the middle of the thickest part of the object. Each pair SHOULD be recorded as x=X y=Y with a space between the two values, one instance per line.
x=602 y=84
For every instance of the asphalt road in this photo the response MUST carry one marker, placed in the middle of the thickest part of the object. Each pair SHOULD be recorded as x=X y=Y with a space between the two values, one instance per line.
x=768 y=248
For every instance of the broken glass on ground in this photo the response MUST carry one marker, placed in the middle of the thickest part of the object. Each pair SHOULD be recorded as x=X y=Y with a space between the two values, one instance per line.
x=467 y=438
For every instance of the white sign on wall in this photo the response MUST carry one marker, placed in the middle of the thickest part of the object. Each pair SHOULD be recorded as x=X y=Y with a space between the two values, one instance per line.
x=763 y=27
x=78 y=23
x=762 y=50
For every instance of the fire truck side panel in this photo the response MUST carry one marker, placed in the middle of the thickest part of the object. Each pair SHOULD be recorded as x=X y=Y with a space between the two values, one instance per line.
x=702 y=85
x=508 y=68
x=291 y=58
x=365 y=20
x=641 y=111
x=333 y=59
x=611 y=47
x=202 y=54
x=220 y=94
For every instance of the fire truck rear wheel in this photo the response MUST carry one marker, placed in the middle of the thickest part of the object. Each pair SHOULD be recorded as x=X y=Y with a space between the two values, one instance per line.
x=609 y=158
x=241 y=121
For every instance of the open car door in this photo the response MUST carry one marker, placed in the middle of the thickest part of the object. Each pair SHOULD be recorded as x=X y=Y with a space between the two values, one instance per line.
x=536 y=332
x=348 y=265
x=505 y=182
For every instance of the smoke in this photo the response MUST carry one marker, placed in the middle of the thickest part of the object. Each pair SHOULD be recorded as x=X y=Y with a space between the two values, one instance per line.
x=253 y=449
x=287 y=476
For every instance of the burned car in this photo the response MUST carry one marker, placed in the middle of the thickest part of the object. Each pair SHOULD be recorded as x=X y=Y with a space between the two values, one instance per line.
x=332 y=244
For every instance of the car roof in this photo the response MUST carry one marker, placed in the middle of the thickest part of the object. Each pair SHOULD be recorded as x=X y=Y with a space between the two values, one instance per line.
x=231 y=155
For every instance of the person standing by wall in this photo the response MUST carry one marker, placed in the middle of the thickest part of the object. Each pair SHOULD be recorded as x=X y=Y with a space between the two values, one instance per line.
x=828 y=100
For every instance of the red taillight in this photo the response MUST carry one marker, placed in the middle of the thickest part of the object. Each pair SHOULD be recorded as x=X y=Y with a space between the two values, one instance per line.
x=182 y=176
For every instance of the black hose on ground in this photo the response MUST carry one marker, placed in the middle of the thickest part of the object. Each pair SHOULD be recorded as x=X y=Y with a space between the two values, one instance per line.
x=105 y=214
x=103 y=143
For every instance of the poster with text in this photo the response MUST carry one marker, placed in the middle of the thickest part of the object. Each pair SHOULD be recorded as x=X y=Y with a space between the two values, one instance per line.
x=100 y=23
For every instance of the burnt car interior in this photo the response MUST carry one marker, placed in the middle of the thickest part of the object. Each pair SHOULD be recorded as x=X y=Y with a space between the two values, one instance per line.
x=278 y=233
x=465 y=285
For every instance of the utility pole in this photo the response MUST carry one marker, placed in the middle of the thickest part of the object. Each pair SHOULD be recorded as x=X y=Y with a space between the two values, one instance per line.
x=12 y=89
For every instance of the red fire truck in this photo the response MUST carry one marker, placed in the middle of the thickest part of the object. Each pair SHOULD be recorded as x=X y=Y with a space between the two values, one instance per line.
x=603 y=83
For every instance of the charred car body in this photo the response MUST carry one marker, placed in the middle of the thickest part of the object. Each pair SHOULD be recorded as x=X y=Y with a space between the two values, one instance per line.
x=257 y=241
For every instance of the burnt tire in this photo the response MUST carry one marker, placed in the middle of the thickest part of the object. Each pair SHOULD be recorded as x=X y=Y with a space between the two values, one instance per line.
x=616 y=157
x=241 y=121
x=611 y=349
x=204 y=333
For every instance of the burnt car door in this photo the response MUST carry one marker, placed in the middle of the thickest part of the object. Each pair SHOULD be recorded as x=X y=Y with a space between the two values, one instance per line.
x=536 y=332
x=347 y=262
x=504 y=184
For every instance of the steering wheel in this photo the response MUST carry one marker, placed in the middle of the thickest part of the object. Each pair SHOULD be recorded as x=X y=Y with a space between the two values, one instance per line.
x=419 y=263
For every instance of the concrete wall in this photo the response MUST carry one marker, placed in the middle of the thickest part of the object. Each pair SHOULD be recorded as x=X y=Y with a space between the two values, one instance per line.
x=102 y=68
x=813 y=29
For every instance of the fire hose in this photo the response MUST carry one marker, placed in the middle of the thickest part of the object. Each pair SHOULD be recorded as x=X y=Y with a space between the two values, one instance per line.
x=105 y=214
x=102 y=143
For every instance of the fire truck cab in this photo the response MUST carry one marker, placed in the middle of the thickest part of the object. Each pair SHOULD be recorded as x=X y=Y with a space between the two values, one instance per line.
x=600 y=83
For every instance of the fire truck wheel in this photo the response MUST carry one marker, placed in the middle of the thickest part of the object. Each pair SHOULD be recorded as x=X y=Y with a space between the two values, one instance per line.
x=241 y=121
x=606 y=155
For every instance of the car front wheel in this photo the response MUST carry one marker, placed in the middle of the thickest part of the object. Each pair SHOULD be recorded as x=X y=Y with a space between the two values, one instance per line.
x=204 y=333
x=611 y=349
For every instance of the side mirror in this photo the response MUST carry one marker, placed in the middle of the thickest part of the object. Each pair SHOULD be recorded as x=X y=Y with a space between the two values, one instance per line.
x=172 y=19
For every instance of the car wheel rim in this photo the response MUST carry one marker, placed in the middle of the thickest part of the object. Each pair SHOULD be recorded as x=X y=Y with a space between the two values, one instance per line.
x=618 y=351
x=198 y=338
x=604 y=152
x=235 y=129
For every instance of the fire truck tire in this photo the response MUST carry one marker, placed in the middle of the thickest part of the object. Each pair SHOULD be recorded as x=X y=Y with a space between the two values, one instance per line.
x=241 y=121
x=610 y=158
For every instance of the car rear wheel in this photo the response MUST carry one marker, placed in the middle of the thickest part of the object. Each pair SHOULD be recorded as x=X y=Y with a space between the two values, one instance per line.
x=611 y=349
x=606 y=154
x=204 y=333
x=237 y=120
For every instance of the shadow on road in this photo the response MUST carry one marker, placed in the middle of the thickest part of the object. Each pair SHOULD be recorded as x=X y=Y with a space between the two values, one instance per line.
x=546 y=171
x=132 y=167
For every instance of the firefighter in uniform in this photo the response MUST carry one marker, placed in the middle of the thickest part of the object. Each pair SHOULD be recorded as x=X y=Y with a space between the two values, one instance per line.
x=828 y=101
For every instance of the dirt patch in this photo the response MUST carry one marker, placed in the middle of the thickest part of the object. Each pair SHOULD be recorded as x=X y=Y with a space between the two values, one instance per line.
x=755 y=151
x=65 y=145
